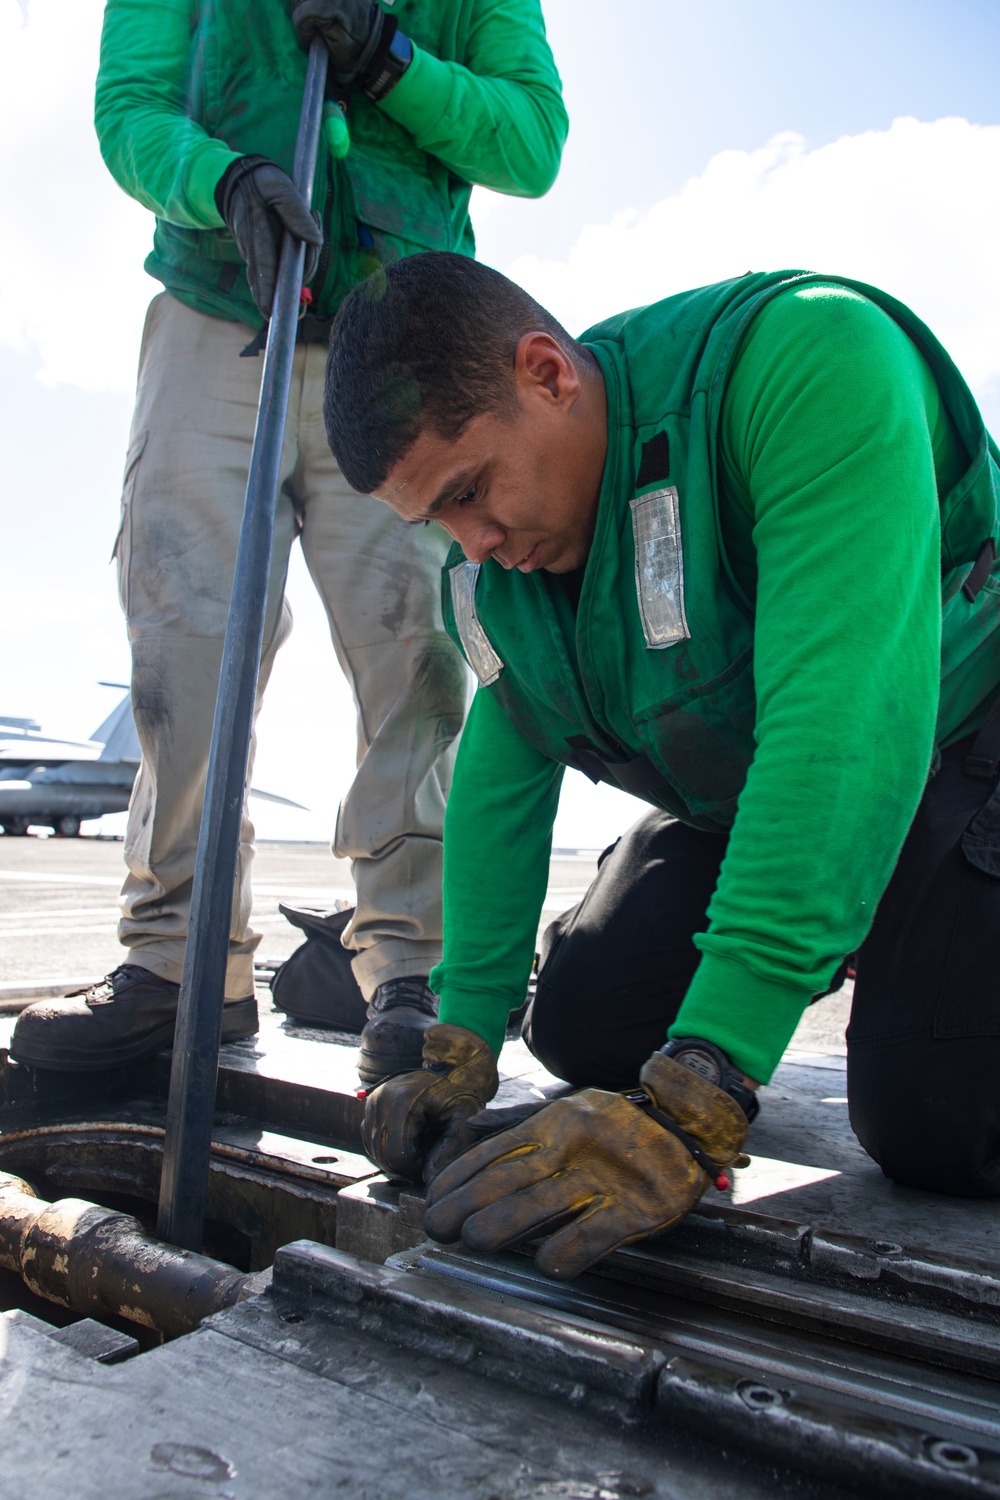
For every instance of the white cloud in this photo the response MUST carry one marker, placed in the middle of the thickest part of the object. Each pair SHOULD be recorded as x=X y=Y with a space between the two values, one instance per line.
x=72 y=287
x=911 y=209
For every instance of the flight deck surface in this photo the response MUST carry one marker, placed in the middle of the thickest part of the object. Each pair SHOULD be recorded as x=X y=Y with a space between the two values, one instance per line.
x=824 y=1324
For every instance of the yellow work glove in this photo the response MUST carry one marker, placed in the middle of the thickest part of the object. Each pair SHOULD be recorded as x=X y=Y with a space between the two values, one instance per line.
x=598 y=1159
x=414 y=1122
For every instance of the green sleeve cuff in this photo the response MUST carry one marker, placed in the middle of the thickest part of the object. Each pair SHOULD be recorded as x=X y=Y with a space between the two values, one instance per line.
x=202 y=178
x=480 y=1012
x=422 y=95
x=750 y=1018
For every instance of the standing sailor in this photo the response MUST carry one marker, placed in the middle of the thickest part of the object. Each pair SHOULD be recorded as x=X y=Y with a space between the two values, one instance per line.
x=197 y=111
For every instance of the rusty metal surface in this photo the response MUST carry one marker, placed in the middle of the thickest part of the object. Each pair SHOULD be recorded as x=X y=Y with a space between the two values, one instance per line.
x=264 y=1188
x=100 y=1263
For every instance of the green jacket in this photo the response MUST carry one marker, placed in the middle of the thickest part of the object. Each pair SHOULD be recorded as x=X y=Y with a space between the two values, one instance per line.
x=185 y=87
x=649 y=684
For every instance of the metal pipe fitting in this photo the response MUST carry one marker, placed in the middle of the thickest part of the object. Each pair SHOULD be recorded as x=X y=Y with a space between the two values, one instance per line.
x=100 y=1263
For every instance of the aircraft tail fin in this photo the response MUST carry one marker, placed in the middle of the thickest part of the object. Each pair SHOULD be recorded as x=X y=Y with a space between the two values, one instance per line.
x=118 y=733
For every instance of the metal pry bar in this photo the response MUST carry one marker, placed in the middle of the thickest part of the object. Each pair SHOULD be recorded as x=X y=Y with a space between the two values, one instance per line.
x=191 y=1101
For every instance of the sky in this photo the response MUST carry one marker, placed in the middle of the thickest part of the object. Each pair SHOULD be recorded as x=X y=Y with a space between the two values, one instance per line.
x=857 y=136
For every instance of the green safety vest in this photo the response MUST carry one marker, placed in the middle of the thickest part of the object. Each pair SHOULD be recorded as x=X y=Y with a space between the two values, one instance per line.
x=649 y=684
x=384 y=200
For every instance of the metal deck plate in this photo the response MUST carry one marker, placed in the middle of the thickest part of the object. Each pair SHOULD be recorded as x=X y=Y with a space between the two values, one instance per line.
x=816 y=1331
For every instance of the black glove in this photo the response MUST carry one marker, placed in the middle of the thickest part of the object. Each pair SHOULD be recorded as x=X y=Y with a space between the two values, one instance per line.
x=414 y=1123
x=359 y=35
x=259 y=202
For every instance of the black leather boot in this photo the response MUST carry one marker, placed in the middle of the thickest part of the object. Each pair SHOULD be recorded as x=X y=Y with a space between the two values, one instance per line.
x=128 y=1015
x=400 y=1012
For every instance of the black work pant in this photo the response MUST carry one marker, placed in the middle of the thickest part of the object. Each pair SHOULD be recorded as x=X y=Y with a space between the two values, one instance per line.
x=924 y=1039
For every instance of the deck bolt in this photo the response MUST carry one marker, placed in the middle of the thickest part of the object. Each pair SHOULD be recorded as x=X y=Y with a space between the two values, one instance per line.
x=760 y=1397
x=954 y=1456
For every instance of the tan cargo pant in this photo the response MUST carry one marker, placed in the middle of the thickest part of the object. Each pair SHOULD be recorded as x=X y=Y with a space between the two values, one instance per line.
x=379 y=580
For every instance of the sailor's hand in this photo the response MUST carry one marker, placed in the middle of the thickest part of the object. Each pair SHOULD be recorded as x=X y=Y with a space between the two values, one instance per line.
x=357 y=33
x=414 y=1122
x=259 y=202
x=600 y=1166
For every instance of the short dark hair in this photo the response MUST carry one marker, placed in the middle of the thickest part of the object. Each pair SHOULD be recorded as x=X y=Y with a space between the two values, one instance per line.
x=429 y=339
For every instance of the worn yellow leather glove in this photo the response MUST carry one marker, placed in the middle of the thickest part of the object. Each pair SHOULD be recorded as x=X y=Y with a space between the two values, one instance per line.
x=413 y=1122
x=598 y=1159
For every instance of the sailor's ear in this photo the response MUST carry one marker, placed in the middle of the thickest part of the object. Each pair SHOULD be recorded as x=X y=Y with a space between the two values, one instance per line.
x=543 y=365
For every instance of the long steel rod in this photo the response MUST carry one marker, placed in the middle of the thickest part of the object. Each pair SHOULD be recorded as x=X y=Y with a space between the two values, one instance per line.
x=194 y=1071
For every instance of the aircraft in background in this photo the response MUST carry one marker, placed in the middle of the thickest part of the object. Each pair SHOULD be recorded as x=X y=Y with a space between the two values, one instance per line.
x=58 y=784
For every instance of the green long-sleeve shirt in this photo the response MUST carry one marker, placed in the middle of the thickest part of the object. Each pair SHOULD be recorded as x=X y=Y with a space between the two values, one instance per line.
x=495 y=118
x=833 y=447
x=185 y=88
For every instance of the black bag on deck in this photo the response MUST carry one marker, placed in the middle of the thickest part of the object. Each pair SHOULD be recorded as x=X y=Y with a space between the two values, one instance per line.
x=316 y=984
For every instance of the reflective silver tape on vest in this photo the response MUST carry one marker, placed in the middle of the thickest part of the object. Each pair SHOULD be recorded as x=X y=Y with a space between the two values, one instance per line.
x=659 y=567
x=475 y=642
